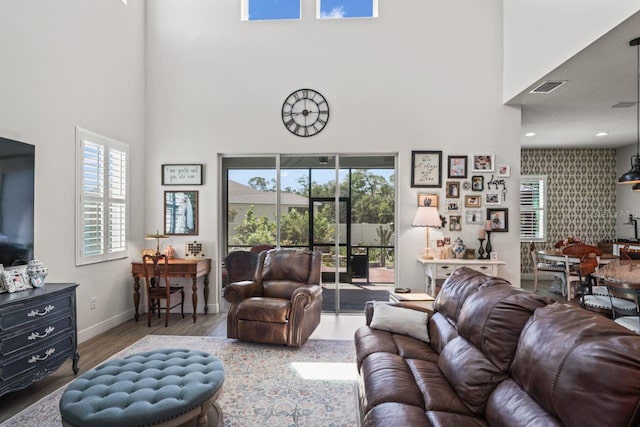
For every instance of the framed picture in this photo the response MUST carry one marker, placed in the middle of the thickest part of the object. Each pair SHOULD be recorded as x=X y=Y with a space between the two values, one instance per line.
x=15 y=279
x=453 y=206
x=498 y=218
x=474 y=217
x=187 y=174
x=457 y=166
x=181 y=213
x=477 y=183
x=472 y=201
x=482 y=163
x=504 y=170
x=492 y=199
x=453 y=189
x=426 y=169
x=427 y=200
x=455 y=222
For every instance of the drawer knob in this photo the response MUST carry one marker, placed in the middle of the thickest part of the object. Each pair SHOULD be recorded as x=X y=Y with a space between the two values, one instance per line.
x=484 y=267
x=445 y=267
x=36 y=335
x=47 y=310
x=37 y=358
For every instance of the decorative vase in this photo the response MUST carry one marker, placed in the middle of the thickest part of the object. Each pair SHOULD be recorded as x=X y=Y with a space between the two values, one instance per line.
x=37 y=272
x=170 y=252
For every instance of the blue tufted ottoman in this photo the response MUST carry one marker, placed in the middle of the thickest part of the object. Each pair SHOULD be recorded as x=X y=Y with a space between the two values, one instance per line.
x=163 y=387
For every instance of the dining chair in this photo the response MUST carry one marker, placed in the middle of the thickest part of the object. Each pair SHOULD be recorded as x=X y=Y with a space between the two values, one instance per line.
x=627 y=315
x=627 y=253
x=580 y=273
x=558 y=269
x=156 y=275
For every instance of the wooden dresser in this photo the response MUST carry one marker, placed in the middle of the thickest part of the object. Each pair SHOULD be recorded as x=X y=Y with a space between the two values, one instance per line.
x=38 y=332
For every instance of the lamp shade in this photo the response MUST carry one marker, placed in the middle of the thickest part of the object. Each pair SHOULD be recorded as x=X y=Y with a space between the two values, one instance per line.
x=427 y=216
x=633 y=175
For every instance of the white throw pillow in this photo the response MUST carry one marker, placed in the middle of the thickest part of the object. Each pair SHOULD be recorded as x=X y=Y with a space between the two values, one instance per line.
x=400 y=321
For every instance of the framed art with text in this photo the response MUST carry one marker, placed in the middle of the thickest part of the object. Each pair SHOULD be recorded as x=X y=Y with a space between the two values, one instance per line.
x=426 y=169
x=187 y=174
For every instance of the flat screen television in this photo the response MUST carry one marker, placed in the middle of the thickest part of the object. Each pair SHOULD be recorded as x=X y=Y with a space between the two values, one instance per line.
x=17 y=171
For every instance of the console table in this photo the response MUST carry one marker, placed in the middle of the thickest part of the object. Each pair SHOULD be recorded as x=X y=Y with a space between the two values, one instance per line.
x=178 y=267
x=38 y=332
x=441 y=269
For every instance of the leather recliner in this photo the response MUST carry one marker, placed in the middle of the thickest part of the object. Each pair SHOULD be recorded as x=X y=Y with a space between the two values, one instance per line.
x=282 y=304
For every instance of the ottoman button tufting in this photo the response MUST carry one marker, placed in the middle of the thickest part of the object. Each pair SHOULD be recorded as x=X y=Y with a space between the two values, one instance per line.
x=163 y=387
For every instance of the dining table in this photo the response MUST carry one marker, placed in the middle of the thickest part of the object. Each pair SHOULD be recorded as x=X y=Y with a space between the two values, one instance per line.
x=556 y=256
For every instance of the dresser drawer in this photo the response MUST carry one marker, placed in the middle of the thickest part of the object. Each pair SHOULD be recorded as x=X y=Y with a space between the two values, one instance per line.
x=17 y=315
x=43 y=331
x=443 y=271
x=38 y=358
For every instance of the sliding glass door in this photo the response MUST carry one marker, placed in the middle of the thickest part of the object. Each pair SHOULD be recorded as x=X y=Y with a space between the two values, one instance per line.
x=293 y=201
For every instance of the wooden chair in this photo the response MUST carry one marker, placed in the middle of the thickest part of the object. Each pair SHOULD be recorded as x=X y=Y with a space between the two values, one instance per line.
x=257 y=249
x=240 y=265
x=156 y=273
x=628 y=254
x=558 y=269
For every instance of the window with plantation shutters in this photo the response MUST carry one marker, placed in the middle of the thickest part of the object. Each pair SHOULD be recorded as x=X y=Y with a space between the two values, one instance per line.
x=102 y=201
x=533 y=200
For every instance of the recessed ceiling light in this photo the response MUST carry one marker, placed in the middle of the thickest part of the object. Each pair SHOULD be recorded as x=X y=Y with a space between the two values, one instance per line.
x=602 y=133
x=530 y=134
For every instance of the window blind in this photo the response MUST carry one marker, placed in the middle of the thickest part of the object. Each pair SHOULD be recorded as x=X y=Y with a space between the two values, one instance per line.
x=533 y=208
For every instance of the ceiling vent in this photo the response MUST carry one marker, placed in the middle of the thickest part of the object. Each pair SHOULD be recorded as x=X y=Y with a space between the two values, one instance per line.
x=548 y=86
x=623 y=104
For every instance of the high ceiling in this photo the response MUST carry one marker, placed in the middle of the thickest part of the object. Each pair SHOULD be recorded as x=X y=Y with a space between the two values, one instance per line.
x=600 y=76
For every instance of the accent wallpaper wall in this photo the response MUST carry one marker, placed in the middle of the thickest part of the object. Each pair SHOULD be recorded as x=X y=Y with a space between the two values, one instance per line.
x=581 y=195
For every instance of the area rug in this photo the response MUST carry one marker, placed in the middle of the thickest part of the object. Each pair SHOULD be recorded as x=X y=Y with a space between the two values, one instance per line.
x=264 y=385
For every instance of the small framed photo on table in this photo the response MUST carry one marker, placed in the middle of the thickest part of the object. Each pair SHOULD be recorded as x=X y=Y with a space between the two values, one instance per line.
x=15 y=279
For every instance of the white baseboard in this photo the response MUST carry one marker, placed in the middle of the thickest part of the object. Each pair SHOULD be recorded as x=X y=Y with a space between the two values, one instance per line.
x=104 y=326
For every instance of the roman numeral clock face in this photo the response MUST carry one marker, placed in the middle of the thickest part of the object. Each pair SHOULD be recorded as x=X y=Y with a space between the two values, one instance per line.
x=305 y=112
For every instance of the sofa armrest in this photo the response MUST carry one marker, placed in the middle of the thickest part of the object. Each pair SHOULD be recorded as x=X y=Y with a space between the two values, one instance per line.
x=369 y=308
x=305 y=295
x=238 y=291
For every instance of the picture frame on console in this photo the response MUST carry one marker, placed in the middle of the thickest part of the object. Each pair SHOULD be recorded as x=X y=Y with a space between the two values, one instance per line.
x=15 y=279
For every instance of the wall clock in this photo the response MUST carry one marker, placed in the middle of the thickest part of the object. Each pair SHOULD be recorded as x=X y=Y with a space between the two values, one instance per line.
x=305 y=112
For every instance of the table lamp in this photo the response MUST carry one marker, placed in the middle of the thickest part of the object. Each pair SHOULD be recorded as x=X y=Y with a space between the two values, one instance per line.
x=427 y=216
x=156 y=236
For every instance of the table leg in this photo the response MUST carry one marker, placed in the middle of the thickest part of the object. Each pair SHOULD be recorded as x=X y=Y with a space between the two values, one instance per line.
x=206 y=294
x=194 y=297
x=136 y=295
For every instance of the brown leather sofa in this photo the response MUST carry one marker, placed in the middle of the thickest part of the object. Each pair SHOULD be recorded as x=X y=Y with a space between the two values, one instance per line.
x=282 y=304
x=502 y=357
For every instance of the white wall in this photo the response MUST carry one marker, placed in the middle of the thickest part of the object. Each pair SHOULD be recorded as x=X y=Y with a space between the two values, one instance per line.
x=423 y=76
x=539 y=35
x=627 y=201
x=65 y=64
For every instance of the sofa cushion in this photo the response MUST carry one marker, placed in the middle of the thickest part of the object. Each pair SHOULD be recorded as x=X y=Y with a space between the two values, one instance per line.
x=449 y=419
x=493 y=317
x=457 y=288
x=437 y=393
x=470 y=373
x=369 y=341
x=400 y=321
x=387 y=378
x=392 y=413
x=282 y=264
x=273 y=310
x=509 y=405
x=581 y=367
